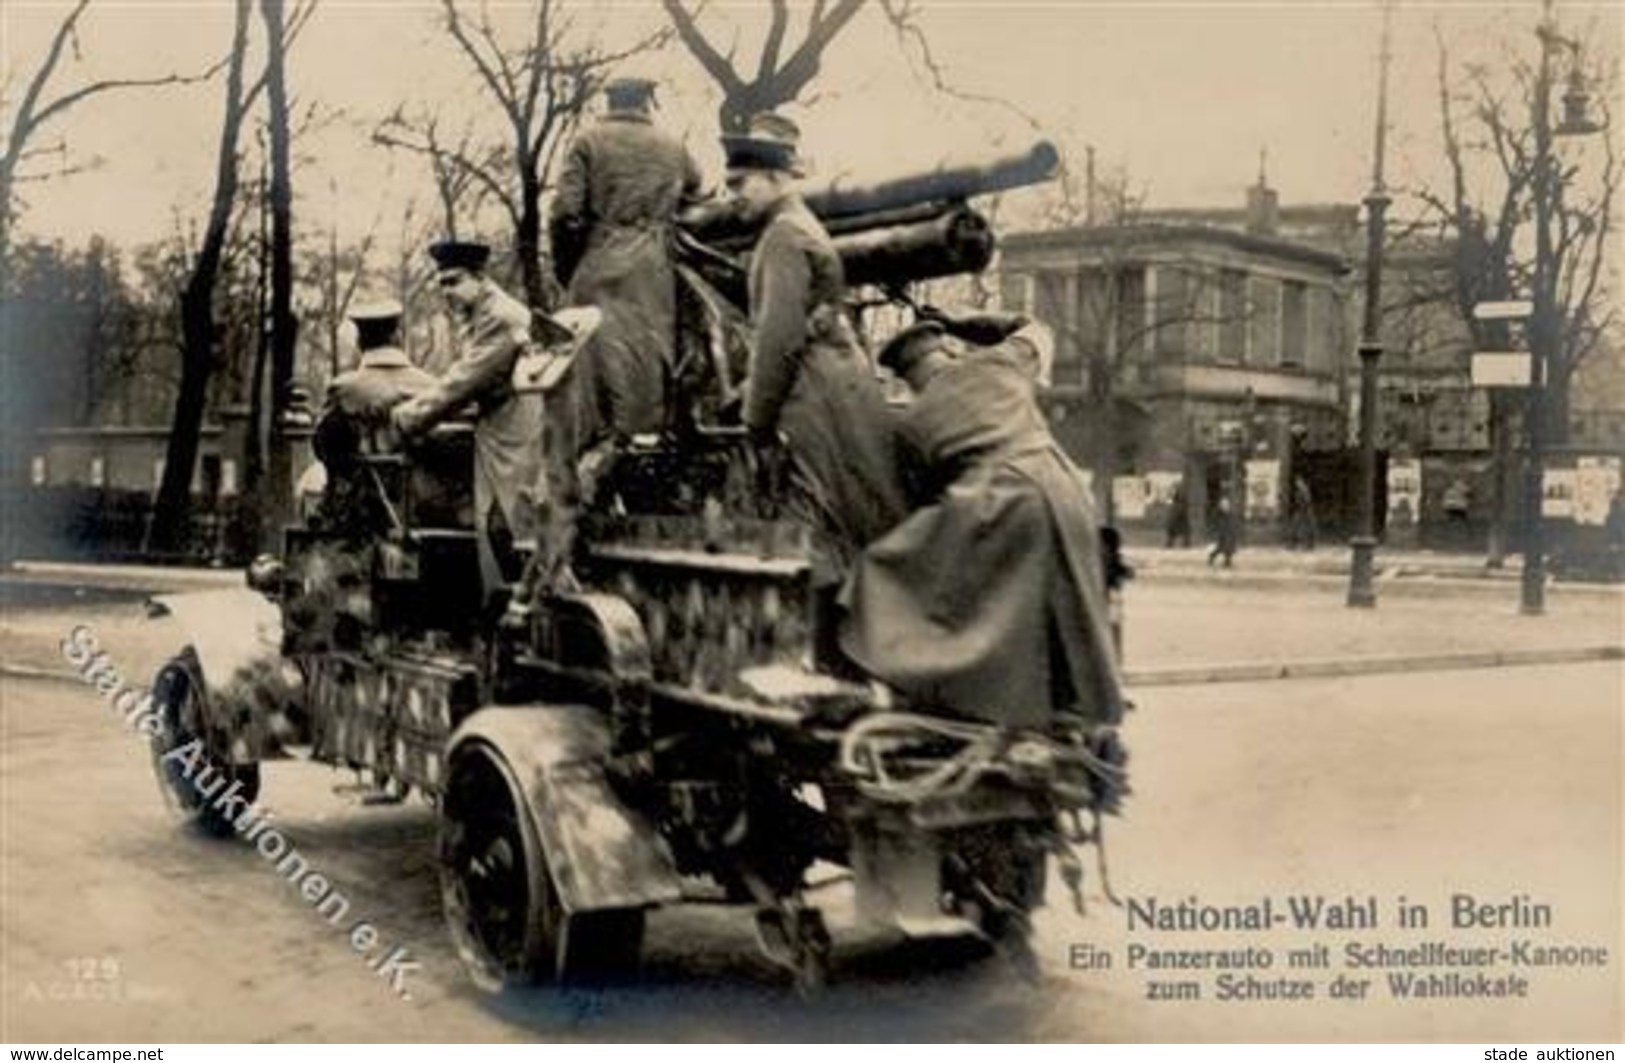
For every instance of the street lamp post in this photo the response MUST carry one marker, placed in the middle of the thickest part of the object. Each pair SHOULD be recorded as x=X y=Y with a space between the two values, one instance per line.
x=1362 y=590
x=1544 y=323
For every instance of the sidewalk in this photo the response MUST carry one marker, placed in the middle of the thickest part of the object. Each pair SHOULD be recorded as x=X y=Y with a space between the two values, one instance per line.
x=1184 y=623
x=1400 y=571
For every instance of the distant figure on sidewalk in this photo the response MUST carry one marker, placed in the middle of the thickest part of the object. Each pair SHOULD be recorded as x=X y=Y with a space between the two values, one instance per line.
x=1179 y=518
x=1301 y=519
x=1226 y=532
x=1457 y=500
x=1614 y=529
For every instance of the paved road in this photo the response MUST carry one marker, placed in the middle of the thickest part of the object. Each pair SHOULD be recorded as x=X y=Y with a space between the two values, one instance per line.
x=1499 y=783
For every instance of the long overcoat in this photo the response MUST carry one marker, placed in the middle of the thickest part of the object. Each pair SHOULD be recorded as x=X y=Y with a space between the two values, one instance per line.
x=811 y=381
x=507 y=427
x=988 y=601
x=619 y=190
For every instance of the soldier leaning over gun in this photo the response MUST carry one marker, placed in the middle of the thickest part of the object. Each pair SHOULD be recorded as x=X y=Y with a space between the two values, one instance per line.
x=989 y=601
x=809 y=380
x=493 y=330
x=619 y=191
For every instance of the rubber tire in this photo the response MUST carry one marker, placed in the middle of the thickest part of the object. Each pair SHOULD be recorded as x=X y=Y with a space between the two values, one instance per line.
x=175 y=685
x=544 y=944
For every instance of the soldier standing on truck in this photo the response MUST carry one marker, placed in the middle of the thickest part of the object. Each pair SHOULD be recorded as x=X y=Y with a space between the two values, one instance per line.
x=621 y=186
x=809 y=380
x=493 y=330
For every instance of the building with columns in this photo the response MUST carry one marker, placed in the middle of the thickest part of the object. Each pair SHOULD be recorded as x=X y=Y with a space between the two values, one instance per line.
x=1216 y=342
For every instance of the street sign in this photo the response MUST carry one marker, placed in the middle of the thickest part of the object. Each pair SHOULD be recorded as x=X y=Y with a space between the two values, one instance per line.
x=1501 y=369
x=1504 y=311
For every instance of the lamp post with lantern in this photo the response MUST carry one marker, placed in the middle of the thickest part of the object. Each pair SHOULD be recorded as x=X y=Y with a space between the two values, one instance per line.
x=1545 y=324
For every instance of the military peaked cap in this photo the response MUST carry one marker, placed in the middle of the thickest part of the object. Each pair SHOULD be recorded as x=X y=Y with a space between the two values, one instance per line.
x=772 y=143
x=460 y=254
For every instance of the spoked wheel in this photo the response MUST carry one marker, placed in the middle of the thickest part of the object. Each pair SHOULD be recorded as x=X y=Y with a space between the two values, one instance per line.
x=201 y=786
x=501 y=906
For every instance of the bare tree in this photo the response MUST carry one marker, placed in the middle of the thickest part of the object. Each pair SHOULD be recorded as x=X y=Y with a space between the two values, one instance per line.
x=37 y=108
x=781 y=71
x=541 y=86
x=197 y=309
x=1485 y=215
x=200 y=329
x=466 y=176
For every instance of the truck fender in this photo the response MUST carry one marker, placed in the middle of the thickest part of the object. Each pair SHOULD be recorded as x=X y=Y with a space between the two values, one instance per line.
x=229 y=643
x=600 y=852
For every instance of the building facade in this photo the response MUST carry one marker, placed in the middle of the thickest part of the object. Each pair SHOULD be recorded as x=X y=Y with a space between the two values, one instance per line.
x=1202 y=349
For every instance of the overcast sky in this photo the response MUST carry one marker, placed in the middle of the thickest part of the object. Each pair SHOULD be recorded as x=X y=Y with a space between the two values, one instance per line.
x=1183 y=96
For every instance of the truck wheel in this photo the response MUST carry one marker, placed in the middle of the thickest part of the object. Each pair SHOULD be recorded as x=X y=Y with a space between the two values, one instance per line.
x=501 y=908
x=190 y=776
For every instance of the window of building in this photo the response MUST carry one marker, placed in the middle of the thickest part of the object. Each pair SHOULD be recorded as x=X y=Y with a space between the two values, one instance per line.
x=1015 y=292
x=1232 y=316
x=1131 y=313
x=1264 y=340
x=1294 y=323
x=1050 y=307
x=1174 y=306
x=1323 y=330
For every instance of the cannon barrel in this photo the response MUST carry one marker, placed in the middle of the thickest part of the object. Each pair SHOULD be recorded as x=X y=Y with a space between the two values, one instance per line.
x=958 y=241
x=834 y=200
x=898 y=201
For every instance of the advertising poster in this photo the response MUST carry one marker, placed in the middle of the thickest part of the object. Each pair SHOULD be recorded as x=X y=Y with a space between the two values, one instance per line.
x=1161 y=487
x=1404 y=491
x=1263 y=489
x=695 y=690
x=1557 y=498
x=1596 y=480
x=1130 y=497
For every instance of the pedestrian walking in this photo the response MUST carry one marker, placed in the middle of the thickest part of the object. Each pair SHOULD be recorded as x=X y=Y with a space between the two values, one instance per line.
x=1226 y=533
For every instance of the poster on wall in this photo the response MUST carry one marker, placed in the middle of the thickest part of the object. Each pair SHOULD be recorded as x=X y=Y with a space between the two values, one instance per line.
x=1404 y=491
x=1557 y=494
x=1596 y=479
x=1160 y=488
x=1263 y=488
x=1129 y=497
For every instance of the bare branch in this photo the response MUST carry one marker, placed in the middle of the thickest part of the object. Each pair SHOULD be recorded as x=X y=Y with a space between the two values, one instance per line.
x=688 y=31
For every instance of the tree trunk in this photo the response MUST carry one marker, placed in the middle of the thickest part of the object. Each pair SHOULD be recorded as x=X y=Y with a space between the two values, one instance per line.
x=284 y=327
x=172 y=510
x=1558 y=393
x=528 y=238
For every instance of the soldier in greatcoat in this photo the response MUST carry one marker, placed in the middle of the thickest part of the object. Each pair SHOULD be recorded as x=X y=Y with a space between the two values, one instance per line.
x=621 y=185
x=989 y=600
x=493 y=330
x=809 y=380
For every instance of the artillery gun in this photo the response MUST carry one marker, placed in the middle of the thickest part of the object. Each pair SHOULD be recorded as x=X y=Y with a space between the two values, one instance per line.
x=650 y=735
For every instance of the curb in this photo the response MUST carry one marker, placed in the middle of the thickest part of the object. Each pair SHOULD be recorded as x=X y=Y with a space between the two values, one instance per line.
x=28 y=671
x=1332 y=667
x=1238 y=672
x=1394 y=584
